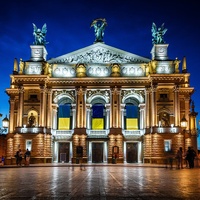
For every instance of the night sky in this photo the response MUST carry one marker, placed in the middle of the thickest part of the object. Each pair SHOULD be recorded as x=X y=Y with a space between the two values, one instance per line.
x=68 y=29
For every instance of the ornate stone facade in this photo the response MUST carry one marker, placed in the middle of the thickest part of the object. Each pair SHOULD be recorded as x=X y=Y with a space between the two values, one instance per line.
x=116 y=105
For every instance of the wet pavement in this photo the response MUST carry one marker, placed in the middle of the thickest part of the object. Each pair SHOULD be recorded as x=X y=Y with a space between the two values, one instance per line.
x=133 y=181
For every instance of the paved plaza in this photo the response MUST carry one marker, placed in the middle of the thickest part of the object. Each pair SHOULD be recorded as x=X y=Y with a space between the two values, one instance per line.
x=132 y=181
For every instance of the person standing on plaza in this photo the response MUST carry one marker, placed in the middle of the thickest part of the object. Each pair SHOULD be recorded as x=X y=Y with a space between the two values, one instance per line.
x=2 y=160
x=19 y=157
x=27 y=156
x=191 y=154
x=179 y=157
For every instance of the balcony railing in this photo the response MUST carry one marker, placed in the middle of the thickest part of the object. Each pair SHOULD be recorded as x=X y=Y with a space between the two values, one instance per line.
x=32 y=130
x=102 y=133
x=97 y=132
x=164 y=130
x=132 y=132
x=63 y=132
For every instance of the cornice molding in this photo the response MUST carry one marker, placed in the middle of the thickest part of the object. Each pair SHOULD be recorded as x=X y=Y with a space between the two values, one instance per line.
x=99 y=81
x=12 y=91
x=168 y=78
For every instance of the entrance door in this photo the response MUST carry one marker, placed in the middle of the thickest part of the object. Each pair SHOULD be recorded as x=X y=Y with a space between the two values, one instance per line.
x=97 y=152
x=132 y=152
x=63 y=152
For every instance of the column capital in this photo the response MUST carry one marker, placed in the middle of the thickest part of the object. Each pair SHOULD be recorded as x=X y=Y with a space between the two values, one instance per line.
x=176 y=88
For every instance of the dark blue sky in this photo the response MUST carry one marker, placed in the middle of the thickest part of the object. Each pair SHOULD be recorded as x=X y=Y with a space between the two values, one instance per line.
x=68 y=29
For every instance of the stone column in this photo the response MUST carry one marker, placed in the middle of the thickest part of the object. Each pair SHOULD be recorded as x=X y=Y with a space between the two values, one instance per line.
x=88 y=116
x=153 y=106
x=142 y=116
x=119 y=122
x=20 y=106
x=115 y=112
x=73 y=115
x=84 y=109
x=187 y=107
x=147 y=93
x=11 y=122
x=54 y=116
x=122 y=115
x=49 y=110
x=176 y=106
x=42 y=106
x=111 y=108
x=81 y=107
x=107 y=116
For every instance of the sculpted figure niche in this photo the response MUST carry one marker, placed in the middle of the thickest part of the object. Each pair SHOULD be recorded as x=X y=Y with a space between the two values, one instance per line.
x=31 y=120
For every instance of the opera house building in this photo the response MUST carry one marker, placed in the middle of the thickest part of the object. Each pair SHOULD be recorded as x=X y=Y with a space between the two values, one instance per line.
x=98 y=104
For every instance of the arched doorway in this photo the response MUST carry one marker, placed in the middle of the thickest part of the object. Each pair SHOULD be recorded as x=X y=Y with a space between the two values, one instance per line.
x=97 y=152
x=132 y=152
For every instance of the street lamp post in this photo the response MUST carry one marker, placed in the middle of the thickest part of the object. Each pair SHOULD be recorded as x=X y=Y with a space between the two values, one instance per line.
x=184 y=126
x=5 y=124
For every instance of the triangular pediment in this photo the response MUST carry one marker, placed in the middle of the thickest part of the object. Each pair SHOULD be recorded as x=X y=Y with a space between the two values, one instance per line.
x=99 y=53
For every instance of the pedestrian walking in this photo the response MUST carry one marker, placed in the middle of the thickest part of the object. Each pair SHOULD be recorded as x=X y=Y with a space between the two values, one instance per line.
x=27 y=156
x=191 y=154
x=179 y=157
x=2 y=160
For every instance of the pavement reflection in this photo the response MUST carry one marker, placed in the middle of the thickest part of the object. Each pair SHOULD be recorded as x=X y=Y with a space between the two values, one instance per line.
x=99 y=182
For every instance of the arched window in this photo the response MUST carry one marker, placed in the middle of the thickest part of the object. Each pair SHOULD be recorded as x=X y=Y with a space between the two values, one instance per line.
x=131 y=117
x=64 y=117
x=98 y=116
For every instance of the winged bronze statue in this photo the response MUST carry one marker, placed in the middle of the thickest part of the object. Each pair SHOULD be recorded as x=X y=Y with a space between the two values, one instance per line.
x=158 y=34
x=40 y=35
x=99 y=25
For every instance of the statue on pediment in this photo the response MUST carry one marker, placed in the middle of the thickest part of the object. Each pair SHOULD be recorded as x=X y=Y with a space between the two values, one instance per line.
x=99 y=27
x=158 y=34
x=40 y=35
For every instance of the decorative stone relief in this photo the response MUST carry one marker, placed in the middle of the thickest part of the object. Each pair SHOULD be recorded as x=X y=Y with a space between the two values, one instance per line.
x=33 y=68
x=138 y=94
x=98 y=71
x=165 y=67
x=59 y=94
x=99 y=55
x=132 y=70
x=63 y=71
x=91 y=94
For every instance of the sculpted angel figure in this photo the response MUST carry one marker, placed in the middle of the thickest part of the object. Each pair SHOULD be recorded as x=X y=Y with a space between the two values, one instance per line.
x=99 y=27
x=40 y=35
x=158 y=34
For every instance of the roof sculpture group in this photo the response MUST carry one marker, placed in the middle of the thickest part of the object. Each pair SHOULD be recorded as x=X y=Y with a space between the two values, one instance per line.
x=158 y=33
x=99 y=25
x=40 y=35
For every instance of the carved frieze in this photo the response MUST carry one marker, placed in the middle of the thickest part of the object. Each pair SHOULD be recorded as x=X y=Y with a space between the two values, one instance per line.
x=132 y=70
x=63 y=70
x=99 y=55
x=96 y=70
x=33 y=68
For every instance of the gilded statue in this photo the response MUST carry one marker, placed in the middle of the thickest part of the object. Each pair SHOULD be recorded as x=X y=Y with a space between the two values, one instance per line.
x=21 y=66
